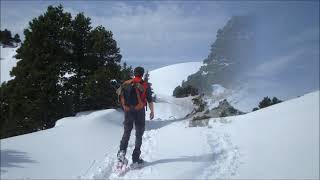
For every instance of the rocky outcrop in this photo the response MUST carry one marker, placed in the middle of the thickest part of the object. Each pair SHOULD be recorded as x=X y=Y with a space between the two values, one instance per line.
x=200 y=118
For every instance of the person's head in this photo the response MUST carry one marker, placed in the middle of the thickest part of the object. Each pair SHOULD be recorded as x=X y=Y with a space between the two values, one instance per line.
x=138 y=71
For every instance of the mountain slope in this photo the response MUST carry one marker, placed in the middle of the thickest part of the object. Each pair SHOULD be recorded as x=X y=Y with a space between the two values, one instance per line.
x=281 y=141
x=77 y=144
x=63 y=152
x=165 y=79
x=278 y=142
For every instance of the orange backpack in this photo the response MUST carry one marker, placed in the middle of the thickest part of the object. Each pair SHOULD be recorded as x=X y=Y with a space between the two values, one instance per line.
x=134 y=93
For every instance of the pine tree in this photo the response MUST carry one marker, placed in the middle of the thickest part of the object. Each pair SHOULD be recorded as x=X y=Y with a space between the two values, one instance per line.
x=146 y=76
x=33 y=99
x=275 y=100
x=102 y=66
x=126 y=72
x=255 y=109
x=265 y=102
x=185 y=91
x=16 y=38
x=65 y=67
x=6 y=37
x=79 y=39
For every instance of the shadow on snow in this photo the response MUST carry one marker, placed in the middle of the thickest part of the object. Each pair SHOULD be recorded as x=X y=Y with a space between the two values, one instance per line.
x=202 y=158
x=13 y=159
x=157 y=124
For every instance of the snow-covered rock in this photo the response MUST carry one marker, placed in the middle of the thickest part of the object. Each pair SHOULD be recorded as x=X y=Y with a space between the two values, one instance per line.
x=217 y=89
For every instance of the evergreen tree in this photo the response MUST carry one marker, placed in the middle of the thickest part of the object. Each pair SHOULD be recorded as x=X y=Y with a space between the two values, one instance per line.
x=33 y=97
x=265 y=102
x=6 y=37
x=80 y=58
x=4 y=108
x=255 y=109
x=98 y=93
x=16 y=38
x=146 y=79
x=102 y=66
x=65 y=67
x=185 y=91
x=275 y=100
x=146 y=76
x=126 y=72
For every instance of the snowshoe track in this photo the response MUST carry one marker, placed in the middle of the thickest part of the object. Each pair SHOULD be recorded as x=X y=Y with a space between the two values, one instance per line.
x=223 y=161
x=226 y=160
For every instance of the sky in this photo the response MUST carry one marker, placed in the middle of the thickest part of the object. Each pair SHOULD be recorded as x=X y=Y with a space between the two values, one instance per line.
x=158 y=33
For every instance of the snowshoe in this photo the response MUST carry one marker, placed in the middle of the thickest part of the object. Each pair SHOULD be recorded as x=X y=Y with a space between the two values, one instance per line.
x=121 y=164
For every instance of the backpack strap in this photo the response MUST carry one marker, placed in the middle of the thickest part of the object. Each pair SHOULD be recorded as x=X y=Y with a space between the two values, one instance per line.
x=141 y=94
x=140 y=104
x=120 y=92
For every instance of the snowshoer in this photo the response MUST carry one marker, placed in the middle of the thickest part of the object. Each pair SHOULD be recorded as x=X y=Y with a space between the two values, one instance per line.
x=134 y=96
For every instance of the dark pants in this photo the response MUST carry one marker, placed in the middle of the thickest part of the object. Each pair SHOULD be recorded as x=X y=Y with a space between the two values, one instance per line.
x=138 y=118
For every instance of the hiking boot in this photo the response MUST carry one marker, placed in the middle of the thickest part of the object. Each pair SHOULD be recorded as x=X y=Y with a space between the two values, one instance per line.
x=138 y=161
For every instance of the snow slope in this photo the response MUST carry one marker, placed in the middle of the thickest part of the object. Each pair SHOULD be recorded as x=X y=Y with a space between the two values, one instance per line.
x=278 y=142
x=243 y=98
x=63 y=152
x=281 y=141
x=78 y=144
x=7 y=62
x=165 y=79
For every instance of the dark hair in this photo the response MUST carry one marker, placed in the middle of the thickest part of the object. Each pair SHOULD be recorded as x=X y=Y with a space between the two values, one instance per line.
x=138 y=71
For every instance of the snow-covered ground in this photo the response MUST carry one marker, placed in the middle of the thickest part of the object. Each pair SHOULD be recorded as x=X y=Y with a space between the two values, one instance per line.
x=7 y=62
x=77 y=144
x=277 y=142
x=281 y=141
x=63 y=152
